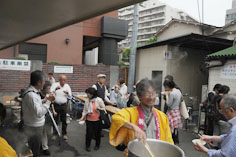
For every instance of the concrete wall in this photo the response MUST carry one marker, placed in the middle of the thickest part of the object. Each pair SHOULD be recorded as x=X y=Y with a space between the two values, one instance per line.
x=215 y=77
x=184 y=66
x=178 y=29
x=148 y=60
x=114 y=75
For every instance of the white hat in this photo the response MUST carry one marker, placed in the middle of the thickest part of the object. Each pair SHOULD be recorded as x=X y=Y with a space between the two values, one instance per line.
x=101 y=75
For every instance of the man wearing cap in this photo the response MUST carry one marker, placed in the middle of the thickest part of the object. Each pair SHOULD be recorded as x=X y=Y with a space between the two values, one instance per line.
x=102 y=89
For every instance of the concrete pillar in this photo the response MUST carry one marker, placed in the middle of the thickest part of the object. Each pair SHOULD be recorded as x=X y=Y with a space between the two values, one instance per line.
x=114 y=75
x=108 y=51
x=36 y=65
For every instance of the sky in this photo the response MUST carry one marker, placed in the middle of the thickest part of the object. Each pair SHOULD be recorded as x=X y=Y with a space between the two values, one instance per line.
x=214 y=10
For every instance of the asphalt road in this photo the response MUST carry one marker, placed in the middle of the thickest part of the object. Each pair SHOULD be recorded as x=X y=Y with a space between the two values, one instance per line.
x=75 y=145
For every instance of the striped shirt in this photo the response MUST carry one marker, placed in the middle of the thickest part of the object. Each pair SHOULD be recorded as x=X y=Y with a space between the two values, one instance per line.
x=228 y=144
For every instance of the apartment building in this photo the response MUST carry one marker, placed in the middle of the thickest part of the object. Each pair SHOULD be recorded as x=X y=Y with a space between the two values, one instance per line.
x=231 y=13
x=152 y=16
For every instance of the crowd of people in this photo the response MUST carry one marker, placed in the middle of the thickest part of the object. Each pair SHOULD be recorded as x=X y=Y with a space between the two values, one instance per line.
x=139 y=117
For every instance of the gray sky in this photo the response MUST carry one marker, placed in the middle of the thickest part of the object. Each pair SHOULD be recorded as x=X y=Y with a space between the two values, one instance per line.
x=214 y=10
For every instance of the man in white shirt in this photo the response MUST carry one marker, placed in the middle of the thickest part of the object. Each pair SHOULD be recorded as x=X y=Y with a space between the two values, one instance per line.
x=122 y=91
x=34 y=111
x=122 y=88
x=51 y=78
x=62 y=90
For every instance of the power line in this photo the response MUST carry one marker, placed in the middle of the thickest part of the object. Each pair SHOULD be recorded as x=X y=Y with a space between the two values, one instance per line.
x=199 y=11
x=202 y=11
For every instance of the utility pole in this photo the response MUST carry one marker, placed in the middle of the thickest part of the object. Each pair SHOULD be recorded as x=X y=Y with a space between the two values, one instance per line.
x=202 y=17
x=132 y=55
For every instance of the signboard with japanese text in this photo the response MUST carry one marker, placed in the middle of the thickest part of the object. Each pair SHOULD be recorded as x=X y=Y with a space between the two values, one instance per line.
x=63 y=69
x=229 y=71
x=11 y=64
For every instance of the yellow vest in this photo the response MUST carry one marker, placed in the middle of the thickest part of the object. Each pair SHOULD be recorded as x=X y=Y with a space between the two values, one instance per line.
x=119 y=134
x=5 y=149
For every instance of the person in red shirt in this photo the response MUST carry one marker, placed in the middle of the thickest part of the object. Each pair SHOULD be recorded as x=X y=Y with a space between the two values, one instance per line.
x=91 y=114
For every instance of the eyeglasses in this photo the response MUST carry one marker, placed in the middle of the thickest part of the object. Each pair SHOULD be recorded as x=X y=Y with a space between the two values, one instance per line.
x=223 y=110
x=150 y=94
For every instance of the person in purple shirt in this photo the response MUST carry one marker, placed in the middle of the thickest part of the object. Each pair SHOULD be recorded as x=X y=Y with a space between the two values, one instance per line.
x=228 y=141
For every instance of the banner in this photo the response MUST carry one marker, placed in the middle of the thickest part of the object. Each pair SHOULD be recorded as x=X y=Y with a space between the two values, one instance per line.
x=11 y=64
x=63 y=69
x=229 y=71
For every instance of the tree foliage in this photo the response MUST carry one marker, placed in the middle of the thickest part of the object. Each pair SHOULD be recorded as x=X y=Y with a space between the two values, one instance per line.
x=125 y=55
x=152 y=39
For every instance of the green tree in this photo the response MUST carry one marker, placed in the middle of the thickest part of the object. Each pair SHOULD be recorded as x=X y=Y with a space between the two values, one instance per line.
x=125 y=55
x=152 y=39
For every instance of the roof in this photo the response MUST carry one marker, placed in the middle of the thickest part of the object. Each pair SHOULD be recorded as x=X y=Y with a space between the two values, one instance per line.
x=194 y=41
x=222 y=29
x=26 y=19
x=229 y=52
x=185 y=22
x=229 y=24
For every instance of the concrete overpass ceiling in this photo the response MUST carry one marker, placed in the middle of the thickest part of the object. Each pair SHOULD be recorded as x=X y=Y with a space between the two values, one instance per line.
x=22 y=20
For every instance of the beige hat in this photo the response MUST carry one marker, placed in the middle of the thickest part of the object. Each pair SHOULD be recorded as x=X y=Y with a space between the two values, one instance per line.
x=101 y=75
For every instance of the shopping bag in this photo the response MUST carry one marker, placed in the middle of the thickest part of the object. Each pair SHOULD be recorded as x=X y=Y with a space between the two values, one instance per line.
x=121 y=101
x=183 y=110
x=105 y=119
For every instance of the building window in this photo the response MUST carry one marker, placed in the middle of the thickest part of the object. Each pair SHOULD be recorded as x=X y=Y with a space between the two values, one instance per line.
x=34 y=51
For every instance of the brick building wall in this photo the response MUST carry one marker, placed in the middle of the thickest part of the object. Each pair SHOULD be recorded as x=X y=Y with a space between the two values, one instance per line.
x=13 y=80
x=71 y=53
x=84 y=76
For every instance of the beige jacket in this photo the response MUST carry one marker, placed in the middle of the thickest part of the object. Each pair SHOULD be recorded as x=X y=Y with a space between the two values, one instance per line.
x=99 y=103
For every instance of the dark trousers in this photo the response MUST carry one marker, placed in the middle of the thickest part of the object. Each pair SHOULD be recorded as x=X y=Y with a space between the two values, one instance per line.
x=209 y=126
x=93 y=128
x=175 y=136
x=61 y=112
x=34 y=135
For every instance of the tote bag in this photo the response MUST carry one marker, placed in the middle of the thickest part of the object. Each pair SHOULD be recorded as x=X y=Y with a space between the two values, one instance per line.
x=183 y=110
x=105 y=119
x=121 y=101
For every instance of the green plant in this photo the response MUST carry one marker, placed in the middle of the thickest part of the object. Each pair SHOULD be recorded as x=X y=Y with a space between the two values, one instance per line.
x=53 y=62
x=100 y=64
x=152 y=39
x=123 y=64
x=125 y=55
x=19 y=58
